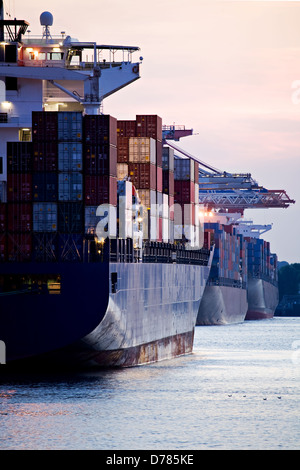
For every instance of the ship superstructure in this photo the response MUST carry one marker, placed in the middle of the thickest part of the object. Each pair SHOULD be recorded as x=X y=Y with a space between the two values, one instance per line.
x=54 y=74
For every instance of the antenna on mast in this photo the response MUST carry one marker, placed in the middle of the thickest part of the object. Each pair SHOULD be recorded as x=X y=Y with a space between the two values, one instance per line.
x=46 y=20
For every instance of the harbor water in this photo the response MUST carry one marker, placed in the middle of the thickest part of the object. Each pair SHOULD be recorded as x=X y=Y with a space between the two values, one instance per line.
x=239 y=390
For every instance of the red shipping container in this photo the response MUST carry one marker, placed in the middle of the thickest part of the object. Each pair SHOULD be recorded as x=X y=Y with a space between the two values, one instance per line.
x=184 y=191
x=19 y=187
x=113 y=191
x=3 y=246
x=19 y=217
x=206 y=241
x=44 y=126
x=3 y=220
x=159 y=181
x=100 y=190
x=96 y=190
x=149 y=126
x=123 y=150
x=159 y=153
x=45 y=156
x=228 y=229
x=126 y=128
x=19 y=247
x=142 y=175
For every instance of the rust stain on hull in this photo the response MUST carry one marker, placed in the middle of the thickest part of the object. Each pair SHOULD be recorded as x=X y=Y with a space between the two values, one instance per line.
x=165 y=348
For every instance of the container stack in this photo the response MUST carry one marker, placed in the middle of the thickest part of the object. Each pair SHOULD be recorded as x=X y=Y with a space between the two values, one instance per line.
x=184 y=196
x=243 y=259
x=229 y=261
x=55 y=184
x=261 y=263
x=19 y=207
x=168 y=183
x=139 y=159
x=100 y=166
x=70 y=214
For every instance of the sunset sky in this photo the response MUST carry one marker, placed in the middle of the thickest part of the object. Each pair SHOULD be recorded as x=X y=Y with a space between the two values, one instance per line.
x=223 y=68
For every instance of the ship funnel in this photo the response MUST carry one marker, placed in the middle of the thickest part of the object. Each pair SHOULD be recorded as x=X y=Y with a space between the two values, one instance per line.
x=46 y=20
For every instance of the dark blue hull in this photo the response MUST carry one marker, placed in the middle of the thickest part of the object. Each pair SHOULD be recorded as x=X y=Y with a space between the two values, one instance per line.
x=36 y=321
x=104 y=314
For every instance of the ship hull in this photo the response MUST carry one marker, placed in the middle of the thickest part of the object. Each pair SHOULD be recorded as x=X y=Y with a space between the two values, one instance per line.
x=32 y=324
x=148 y=314
x=150 y=318
x=263 y=299
x=222 y=305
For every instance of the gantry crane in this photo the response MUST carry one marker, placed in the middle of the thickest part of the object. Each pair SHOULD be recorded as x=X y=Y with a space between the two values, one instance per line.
x=231 y=192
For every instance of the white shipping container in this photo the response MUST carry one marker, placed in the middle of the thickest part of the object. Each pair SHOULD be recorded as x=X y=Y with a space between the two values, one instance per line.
x=125 y=224
x=147 y=197
x=178 y=232
x=142 y=150
x=165 y=230
x=125 y=194
x=122 y=171
x=196 y=193
x=165 y=212
x=189 y=210
x=159 y=202
x=190 y=233
x=44 y=217
x=154 y=228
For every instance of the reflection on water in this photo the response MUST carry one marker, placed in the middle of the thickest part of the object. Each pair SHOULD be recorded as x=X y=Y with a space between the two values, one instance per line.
x=238 y=390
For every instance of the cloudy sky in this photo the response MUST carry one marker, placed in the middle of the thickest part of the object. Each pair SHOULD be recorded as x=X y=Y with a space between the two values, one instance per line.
x=227 y=69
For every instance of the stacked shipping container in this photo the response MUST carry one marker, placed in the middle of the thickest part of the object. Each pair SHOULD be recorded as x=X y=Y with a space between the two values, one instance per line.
x=261 y=263
x=229 y=264
x=17 y=241
x=139 y=158
x=186 y=194
x=71 y=163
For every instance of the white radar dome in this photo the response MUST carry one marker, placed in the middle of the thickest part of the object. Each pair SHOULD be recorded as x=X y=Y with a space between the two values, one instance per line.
x=46 y=19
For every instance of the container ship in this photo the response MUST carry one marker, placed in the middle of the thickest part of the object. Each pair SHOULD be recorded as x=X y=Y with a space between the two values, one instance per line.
x=97 y=266
x=243 y=281
x=262 y=291
x=225 y=295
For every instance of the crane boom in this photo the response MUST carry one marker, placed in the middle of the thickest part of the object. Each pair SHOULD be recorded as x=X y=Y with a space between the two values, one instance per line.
x=233 y=191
